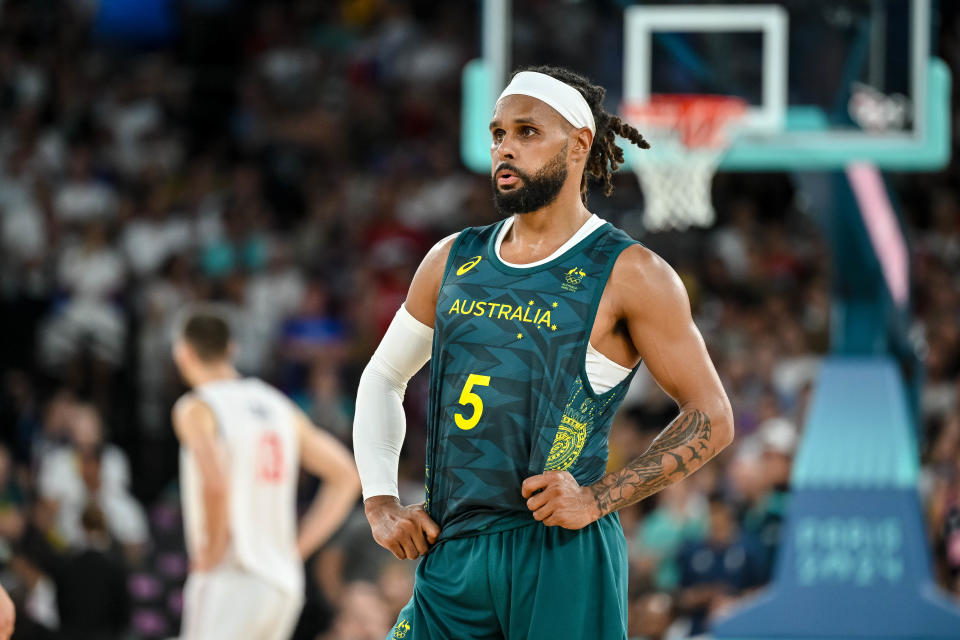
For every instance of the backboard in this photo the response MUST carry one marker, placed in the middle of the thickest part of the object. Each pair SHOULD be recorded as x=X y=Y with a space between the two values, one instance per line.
x=828 y=83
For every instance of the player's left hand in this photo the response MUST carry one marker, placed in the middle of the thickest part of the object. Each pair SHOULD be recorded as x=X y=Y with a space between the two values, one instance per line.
x=561 y=502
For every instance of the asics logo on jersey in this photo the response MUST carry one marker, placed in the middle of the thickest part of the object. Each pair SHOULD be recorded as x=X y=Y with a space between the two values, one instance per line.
x=469 y=265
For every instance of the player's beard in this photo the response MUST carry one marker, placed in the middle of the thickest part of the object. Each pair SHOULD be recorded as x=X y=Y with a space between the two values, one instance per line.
x=534 y=192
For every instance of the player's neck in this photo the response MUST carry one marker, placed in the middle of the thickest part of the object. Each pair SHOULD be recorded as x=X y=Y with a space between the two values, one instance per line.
x=215 y=373
x=539 y=233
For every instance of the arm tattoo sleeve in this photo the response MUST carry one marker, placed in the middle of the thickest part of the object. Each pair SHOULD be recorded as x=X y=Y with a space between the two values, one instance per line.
x=678 y=451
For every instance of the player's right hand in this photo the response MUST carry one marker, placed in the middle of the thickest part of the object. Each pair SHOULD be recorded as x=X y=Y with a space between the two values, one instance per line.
x=408 y=532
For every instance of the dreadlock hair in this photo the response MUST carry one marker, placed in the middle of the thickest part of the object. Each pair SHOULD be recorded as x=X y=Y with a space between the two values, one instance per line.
x=605 y=155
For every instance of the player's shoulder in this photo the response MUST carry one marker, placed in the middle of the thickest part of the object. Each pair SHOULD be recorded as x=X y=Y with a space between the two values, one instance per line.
x=275 y=395
x=186 y=403
x=422 y=296
x=438 y=253
x=258 y=386
x=191 y=412
x=641 y=275
x=638 y=261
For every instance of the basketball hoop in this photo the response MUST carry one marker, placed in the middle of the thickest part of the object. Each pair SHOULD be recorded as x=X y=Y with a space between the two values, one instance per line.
x=688 y=135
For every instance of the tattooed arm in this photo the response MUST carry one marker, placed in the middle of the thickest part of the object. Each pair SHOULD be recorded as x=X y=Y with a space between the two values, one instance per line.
x=647 y=311
x=676 y=453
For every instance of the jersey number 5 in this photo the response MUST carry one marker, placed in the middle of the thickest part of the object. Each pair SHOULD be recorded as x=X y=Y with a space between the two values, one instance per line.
x=269 y=458
x=468 y=397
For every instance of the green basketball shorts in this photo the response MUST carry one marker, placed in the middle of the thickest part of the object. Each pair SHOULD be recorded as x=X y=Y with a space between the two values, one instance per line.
x=530 y=583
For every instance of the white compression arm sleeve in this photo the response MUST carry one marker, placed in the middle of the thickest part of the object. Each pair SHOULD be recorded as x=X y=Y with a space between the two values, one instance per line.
x=379 y=424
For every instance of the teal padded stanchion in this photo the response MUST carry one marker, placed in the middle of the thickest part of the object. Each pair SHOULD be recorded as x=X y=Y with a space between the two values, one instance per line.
x=854 y=559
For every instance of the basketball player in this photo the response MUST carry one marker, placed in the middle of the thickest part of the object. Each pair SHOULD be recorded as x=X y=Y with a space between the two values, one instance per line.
x=537 y=325
x=242 y=446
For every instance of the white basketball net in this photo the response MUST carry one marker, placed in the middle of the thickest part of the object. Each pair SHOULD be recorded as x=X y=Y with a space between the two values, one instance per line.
x=688 y=136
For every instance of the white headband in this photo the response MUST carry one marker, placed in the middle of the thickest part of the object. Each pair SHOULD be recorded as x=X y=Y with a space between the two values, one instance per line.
x=564 y=99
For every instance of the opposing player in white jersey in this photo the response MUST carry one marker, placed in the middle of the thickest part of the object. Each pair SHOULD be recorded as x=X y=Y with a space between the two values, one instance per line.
x=242 y=444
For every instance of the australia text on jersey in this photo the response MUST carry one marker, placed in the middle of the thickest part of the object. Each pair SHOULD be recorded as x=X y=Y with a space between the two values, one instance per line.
x=501 y=311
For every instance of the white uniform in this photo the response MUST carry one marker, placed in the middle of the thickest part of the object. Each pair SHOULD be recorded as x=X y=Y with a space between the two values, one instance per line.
x=256 y=593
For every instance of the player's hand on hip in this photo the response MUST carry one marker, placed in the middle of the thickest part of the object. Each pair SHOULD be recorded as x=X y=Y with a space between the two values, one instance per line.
x=408 y=532
x=557 y=500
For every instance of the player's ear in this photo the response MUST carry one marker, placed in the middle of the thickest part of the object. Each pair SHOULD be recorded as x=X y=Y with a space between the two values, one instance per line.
x=581 y=143
x=181 y=352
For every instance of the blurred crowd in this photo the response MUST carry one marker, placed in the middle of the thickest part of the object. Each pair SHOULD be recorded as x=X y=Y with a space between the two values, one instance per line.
x=294 y=161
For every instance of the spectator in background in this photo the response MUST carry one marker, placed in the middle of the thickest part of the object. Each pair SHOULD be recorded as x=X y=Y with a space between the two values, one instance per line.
x=23 y=228
x=86 y=322
x=90 y=470
x=90 y=580
x=941 y=482
x=12 y=502
x=311 y=334
x=20 y=410
x=134 y=118
x=716 y=571
x=733 y=242
x=351 y=557
x=275 y=293
x=363 y=615
x=243 y=244
x=679 y=518
x=763 y=518
x=150 y=234
x=56 y=426
x=396 y=585
x=158 y=301
x=651 y=617
x=322 y=237
x=33 y=590
x=325 y=400
x=796 y=367
x=81 y=198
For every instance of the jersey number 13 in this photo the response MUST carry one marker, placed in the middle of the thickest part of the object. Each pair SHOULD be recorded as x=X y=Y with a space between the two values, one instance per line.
x=270 y=463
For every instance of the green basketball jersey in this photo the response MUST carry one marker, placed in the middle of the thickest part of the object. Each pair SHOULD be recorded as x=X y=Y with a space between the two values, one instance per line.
x=509 y=395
